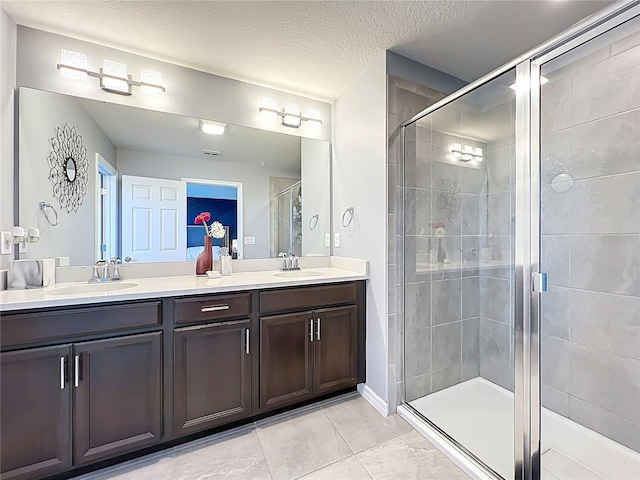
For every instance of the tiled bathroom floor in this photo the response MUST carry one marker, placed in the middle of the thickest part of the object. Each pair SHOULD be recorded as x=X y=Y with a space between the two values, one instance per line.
x=340 y=439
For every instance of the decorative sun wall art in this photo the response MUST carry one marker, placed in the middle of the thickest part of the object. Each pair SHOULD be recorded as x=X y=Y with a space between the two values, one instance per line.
x=68 y=168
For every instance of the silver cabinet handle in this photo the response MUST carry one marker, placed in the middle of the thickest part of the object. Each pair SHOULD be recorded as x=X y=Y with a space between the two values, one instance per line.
x=311 y=329
x=214 y=308
x=246 y=340
x=62 y=363
x=318 y=328
x=76 y=380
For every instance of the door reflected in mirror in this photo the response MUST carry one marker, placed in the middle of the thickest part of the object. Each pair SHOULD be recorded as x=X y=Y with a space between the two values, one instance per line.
x=150 y=172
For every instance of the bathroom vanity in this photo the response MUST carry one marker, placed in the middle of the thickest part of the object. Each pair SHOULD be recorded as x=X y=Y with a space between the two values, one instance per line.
x=92 y=377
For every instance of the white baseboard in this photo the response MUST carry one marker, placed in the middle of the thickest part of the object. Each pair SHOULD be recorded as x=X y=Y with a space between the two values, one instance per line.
x=467 y=465
x=370 y=396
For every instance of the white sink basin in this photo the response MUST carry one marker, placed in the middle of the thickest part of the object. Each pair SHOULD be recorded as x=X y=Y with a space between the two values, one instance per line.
x=89 y=288
x=298 y=274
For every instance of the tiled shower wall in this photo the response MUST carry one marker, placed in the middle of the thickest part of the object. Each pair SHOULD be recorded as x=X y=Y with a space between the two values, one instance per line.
x=404 y=100
x=591 y=241
x=441 y=301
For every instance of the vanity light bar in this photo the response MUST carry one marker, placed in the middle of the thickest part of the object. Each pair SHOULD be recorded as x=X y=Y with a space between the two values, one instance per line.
x=467 y=154
x=290 y=115
x=113 y=77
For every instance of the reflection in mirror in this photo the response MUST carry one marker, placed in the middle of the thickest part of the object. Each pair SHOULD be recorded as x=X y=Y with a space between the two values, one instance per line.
x=70 y=169
x=152 y=173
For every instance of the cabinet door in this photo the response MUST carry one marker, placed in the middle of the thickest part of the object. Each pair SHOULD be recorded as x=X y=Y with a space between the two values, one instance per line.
x=35 y=413
x=118 y=396
x=212 y=372
x=336 y=349
x=285 y=359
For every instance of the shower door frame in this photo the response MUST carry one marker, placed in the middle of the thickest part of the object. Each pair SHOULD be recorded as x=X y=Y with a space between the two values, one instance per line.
x=527 y=401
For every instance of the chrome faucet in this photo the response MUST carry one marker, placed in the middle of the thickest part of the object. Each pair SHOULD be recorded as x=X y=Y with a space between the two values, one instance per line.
x=105 y=275
x=289 y=262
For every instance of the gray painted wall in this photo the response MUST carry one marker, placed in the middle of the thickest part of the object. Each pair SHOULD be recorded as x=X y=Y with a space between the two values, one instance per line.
x=7 y=86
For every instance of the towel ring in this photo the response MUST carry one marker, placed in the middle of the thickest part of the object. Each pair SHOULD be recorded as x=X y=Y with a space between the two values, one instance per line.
x=313 y=222
x=349 y=211
x=45 y=207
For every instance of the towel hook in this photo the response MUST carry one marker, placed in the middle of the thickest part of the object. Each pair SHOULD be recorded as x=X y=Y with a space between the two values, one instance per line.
x=313 y=222
x=349 y=211
x=45 y=207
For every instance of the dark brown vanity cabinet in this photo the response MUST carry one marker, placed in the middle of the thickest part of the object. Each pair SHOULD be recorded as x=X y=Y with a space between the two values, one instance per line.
x=35 y=412
x=117 y=396
x=212 y=375
x=309 y=353
x=75 y=403
x=110 y=388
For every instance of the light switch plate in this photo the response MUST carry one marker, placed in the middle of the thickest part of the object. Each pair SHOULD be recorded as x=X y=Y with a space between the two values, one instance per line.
x=327 y=240
x=336 y=240
x=249 y=240
x=6 y=241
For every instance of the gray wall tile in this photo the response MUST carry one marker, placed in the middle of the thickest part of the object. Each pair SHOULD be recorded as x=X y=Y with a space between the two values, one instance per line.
x=606 y=264
x=446 y=345
x=418 y=387
x=470 y=297
x=607 y=381
x=500 y=215
x=417 y=305
x=555 y=312
x=500 y=170
x=417 y=211
x=555 y=400
x=555 y=362
x=417 y=352
x=445 y=378
x=613 y=426
x=555 y=104
x=606 y=146
x=606 y=205
x=606 y=88
x=608 y=322
x=495 y=348
x=445 y=303
x=495 y=299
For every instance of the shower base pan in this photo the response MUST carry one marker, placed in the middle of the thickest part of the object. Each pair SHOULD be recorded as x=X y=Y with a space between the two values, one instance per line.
x=479 y=415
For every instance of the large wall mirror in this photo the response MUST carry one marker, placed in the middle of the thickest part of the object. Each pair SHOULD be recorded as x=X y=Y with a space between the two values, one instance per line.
x=128 y=182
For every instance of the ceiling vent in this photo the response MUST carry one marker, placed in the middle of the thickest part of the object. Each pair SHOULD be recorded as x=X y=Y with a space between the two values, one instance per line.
x=211 y=153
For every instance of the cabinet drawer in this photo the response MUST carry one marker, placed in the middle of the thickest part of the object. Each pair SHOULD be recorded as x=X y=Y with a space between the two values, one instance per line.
x=307 y=297
x=213 y=307
x=67 y=323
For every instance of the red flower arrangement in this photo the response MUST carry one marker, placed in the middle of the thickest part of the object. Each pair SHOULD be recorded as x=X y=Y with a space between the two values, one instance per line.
x=203 y=218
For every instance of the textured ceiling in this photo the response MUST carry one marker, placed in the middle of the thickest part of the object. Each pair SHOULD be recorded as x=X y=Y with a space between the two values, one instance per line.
x=311 y=48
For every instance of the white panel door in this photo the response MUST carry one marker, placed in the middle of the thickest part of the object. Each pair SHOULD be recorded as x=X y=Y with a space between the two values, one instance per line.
x=154 y=219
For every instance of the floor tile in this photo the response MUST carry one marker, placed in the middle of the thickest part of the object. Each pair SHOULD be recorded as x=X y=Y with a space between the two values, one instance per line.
x=361 y=425
x=156 y=468
x=409 y=457
x=348 y=469
x=300 y=444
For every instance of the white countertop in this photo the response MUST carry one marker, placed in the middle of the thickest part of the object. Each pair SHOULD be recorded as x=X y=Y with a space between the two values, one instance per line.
x=12 y=300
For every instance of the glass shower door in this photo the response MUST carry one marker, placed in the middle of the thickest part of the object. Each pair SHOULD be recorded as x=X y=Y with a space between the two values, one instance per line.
x=590 y=248
x=459 y=209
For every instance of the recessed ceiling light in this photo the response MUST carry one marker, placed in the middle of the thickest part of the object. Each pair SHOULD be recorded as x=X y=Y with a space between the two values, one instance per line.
x=212 y=128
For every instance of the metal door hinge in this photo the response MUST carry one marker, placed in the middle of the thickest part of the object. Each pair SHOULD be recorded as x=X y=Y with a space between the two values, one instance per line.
x=539 y=282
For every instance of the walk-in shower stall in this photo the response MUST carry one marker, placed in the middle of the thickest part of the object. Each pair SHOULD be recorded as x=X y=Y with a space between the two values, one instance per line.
x=522 y=261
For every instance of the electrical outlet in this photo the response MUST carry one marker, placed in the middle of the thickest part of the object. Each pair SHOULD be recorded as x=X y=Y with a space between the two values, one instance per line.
x=327 y=240
x=249 y=240
x=336 y=240
x=7 y=242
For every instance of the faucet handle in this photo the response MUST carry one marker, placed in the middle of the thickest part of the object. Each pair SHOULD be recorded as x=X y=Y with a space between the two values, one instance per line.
x=95 y=278
x=115 y=261
x=116 y=271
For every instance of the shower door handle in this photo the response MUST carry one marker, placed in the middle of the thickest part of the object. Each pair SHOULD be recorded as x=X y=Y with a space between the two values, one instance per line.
x=539 y=282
